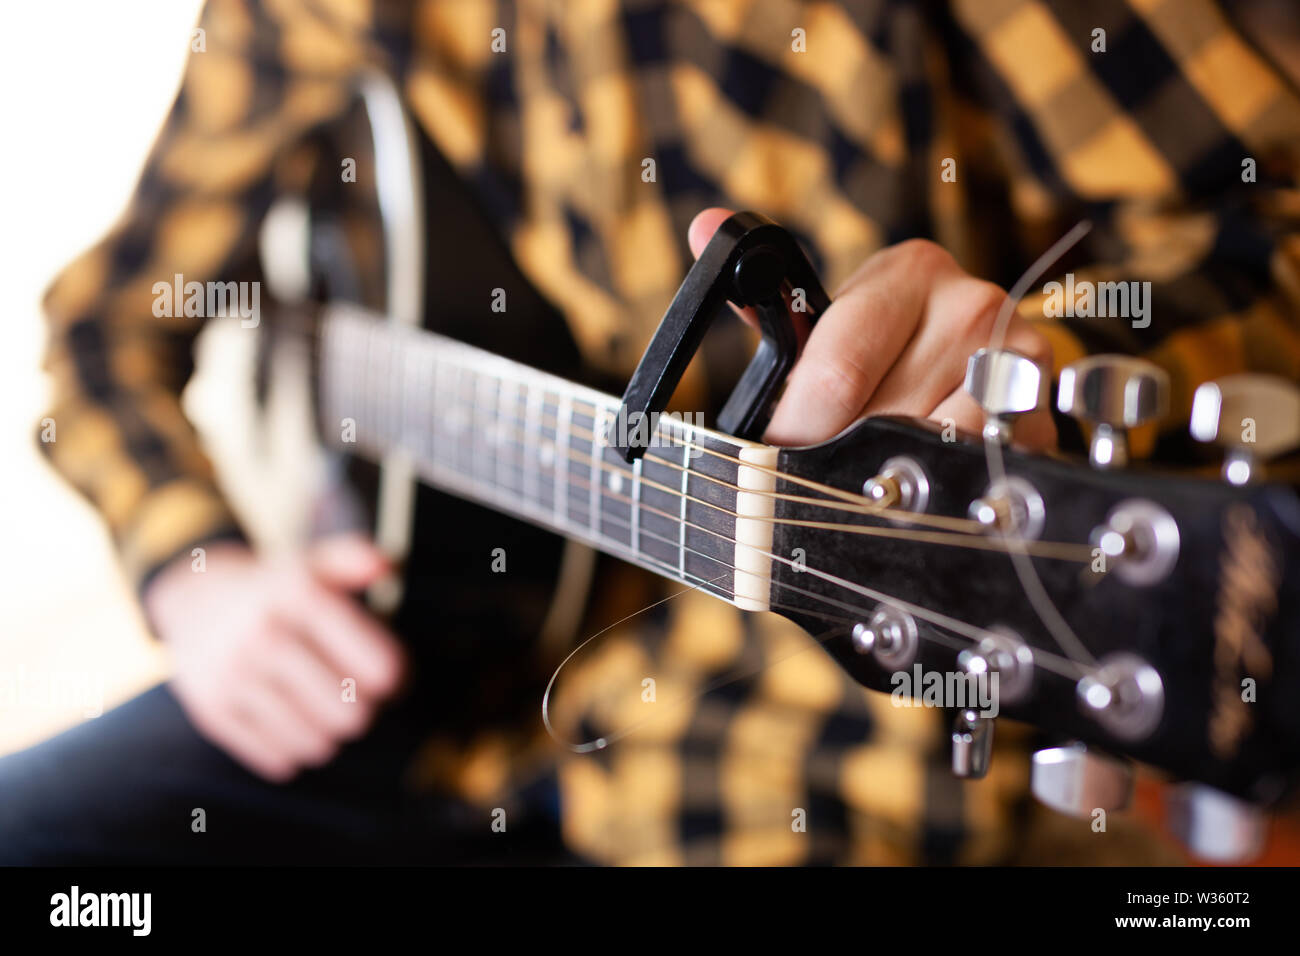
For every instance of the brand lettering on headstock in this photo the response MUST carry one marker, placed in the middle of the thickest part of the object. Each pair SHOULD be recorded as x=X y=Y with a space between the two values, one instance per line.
x=1248 y=582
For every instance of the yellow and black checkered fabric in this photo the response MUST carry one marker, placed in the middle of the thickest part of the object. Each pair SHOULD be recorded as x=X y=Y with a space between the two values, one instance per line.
x=592 y=131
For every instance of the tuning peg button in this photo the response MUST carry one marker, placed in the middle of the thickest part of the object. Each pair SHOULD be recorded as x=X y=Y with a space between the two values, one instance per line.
x=1005 y=383
x=1213 y=825
x=972 y=744
x=1254 y=417
x=1125 y=695
x=1076 y=781
x=1003 y=652
x=1112 y=393
x=901 y=484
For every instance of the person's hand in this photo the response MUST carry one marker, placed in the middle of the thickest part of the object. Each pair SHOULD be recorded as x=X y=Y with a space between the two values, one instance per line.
x=261 y=650
x=895 y=341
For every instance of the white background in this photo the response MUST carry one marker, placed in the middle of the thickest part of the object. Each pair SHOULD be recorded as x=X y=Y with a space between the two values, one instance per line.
x=86 y=84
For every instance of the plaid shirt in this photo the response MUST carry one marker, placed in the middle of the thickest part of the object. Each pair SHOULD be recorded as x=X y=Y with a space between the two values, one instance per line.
x=836 y=119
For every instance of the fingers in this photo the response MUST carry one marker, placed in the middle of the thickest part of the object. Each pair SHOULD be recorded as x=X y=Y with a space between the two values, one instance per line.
x=1035 y=430
x=703 y=226
x=244 y=741
x=249 y=746
x=349 y=639
x=850 y=350
x=701 y=230
x=290 y=735
x=347 y=562
x=316 y=690
x=959 y=316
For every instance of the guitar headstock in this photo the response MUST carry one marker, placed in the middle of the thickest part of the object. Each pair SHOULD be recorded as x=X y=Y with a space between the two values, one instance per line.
x=1145 y=613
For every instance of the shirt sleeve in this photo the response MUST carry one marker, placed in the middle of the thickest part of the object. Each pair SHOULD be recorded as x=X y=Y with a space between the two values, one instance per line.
x=256 y=82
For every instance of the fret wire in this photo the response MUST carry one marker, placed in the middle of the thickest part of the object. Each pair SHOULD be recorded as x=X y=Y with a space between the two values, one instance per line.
x=636 y=505
x=379 y=428
x=364 y=412
x=532 y=427
x=440 y=412
x=478 y=429
x=431 y=434
x=415 y=370
x=497 y=437
x=563 y=424
x=596 y=483
x=377 y=387
x=463 y=415
x=377 y=425
x=686 y=472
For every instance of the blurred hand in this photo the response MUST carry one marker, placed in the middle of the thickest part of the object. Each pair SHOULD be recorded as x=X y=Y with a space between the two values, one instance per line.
x=895 y=342
x=261 y=649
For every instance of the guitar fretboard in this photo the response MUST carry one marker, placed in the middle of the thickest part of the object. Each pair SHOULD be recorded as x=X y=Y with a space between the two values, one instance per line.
x=533 y=445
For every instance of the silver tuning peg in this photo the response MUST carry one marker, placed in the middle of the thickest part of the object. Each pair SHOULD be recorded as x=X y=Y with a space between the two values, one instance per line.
x=1124 y=694
x=972 y=744
x=1077 y=781
x=1254 y=417
x=1113 y=393
x=1005 y=383
x=1214 y=826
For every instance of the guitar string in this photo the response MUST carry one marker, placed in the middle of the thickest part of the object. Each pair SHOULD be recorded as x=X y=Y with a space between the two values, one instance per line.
x=867 y=505
x=1043 y=658
x=878 y=596
x=1058 y=550
x=1062 y=551
x=848 y=497
x=850 y=500
x=546 y=515
x=970 y=631
x=1067 y=668
x=603 y=741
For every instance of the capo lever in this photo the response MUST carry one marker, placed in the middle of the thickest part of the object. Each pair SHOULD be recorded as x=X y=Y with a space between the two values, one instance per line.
x=750 y=261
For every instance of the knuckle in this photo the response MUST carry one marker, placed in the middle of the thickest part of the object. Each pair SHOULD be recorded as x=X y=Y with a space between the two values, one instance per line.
x=984 y=304
x=388 y=671
x=1037 y=346
x=924 y=254
x=319 y=750
x=353 y=720
x=843 y=383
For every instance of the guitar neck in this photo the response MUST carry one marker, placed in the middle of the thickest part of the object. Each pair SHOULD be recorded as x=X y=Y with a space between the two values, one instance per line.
x=695 y=508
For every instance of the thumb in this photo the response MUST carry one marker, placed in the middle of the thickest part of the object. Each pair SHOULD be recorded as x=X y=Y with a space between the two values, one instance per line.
x=703 y=226
x=701 y=230
x=346 y=562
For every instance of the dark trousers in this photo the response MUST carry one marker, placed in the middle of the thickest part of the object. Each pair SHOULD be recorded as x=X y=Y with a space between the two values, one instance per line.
x=124 y=789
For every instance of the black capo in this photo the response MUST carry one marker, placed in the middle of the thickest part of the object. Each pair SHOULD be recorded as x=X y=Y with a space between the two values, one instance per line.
x=750 y=261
